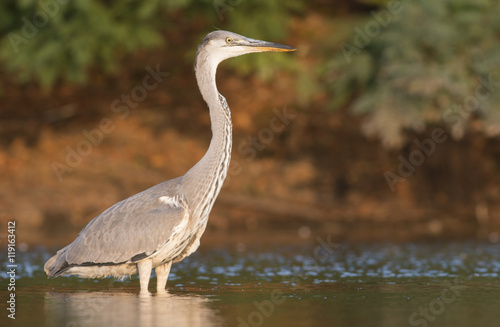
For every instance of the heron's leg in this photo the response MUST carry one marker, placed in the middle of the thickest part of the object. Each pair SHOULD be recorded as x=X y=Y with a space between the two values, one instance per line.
x=144 y=268
x=162 y=276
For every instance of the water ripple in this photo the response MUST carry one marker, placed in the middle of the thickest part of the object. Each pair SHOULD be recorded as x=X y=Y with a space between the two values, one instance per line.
x=288 y=265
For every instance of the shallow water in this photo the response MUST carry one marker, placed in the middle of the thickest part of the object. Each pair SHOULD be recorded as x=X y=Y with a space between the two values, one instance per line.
x=447 y=284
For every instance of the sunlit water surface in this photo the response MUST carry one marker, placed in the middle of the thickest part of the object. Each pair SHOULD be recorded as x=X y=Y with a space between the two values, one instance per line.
x=450 y=284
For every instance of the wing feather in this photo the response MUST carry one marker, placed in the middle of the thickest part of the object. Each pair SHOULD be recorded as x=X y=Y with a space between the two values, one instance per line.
x=133 y=228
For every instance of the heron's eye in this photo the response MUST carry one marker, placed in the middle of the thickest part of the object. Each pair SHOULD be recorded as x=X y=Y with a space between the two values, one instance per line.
x=229 y=40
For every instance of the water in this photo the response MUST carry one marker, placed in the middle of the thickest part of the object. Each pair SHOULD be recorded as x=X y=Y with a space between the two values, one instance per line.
x=447 y=284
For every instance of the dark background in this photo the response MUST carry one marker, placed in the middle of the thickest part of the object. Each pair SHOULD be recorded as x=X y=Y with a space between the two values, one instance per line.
x=368 y=84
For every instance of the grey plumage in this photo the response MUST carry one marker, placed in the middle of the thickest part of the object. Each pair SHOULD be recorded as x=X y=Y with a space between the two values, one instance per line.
x=129 y=228
x=164 y=223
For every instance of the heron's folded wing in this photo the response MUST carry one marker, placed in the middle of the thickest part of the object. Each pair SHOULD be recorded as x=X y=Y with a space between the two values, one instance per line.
x=131 y=229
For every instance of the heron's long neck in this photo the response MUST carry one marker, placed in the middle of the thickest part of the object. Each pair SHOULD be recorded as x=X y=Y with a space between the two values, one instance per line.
x=202 y=183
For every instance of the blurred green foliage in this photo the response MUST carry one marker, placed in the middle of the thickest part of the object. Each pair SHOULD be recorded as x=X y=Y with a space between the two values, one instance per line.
x=47 y=40
x=407 y=65
x=419 y=64
x=60 y=40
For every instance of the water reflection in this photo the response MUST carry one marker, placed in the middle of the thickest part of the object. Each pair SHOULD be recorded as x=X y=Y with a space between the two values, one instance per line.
x=128 y=309
x=356 y=285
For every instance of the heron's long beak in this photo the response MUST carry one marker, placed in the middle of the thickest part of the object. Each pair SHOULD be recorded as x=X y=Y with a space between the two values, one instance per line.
x=263 y=46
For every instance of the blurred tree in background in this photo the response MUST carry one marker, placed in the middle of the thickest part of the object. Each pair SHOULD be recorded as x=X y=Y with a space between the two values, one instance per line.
x=55 y=40
x=422 y=63
x=406 y=66
x=61 y=40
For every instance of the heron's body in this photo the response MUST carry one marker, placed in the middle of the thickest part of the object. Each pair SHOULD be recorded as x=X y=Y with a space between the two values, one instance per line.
x=164 y=223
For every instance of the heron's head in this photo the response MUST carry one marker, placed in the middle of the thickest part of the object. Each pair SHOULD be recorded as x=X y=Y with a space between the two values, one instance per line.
x=221 y=45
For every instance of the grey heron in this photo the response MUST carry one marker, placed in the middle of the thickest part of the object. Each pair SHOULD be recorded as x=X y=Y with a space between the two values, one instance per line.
x=163 y=224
